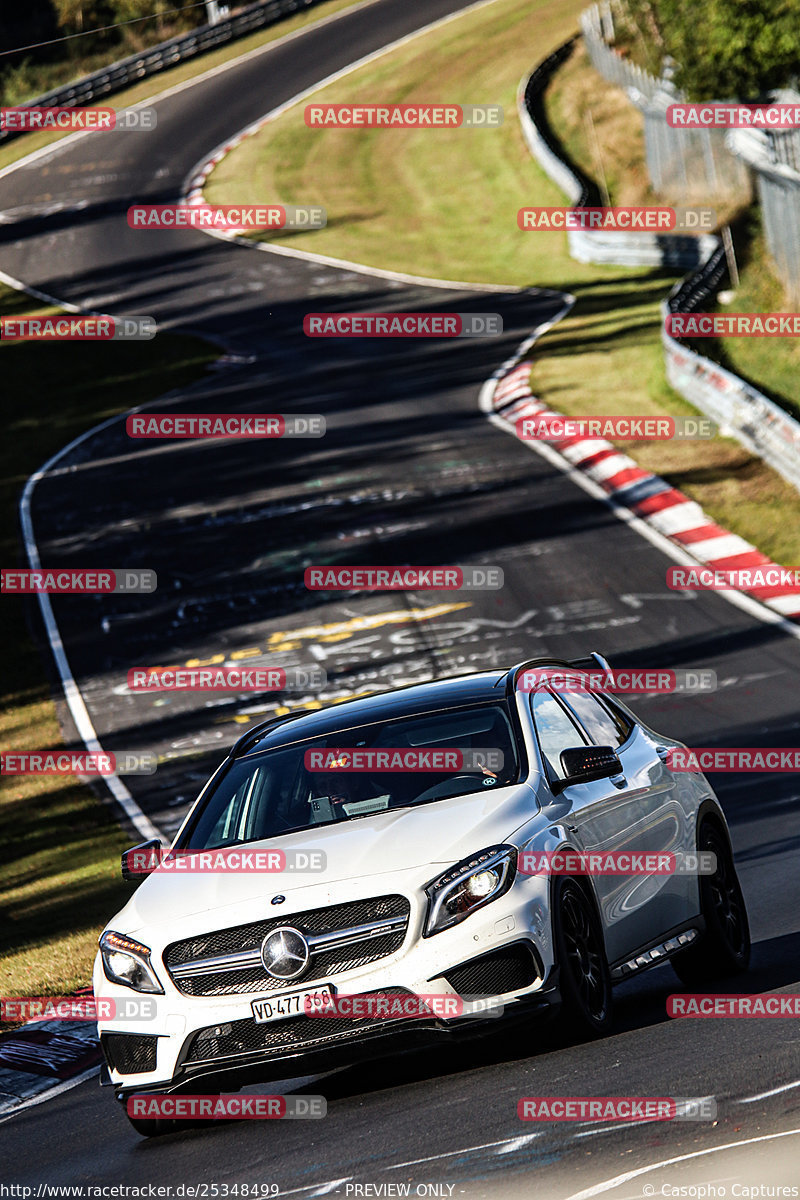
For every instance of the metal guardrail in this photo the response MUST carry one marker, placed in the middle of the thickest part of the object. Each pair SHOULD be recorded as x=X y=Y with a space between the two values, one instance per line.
x=129 y=70
x=743 y=412
x=757 y=422
x=590 y=245
x=542 y=142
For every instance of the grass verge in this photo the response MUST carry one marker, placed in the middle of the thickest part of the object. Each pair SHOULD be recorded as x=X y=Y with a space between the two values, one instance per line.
x=444 y=204
x=59 y=843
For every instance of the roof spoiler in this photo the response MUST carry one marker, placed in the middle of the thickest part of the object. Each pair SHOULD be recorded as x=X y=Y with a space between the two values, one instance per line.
x=593 y=662
x=252 y=735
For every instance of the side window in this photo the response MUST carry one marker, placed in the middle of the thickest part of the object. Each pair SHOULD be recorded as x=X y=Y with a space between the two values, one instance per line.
x=603 y=728
x=555 y=728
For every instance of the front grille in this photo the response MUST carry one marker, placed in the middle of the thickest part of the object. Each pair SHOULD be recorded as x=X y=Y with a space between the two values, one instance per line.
x=242 y=938
x=506 y=970
x=129 y=1053
x=294 y=1033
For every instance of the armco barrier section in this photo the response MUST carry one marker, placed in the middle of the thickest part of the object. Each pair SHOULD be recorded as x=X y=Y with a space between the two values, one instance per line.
x=759 y=424
x=130 y=70
x=591 y=245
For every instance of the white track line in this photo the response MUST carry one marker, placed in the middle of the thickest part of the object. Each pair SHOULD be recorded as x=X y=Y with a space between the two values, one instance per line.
x=157 y=97
x=609 y=1184
x=199 y=173
x=752 y=607
x=57 y=1090
x=776 y=1091
x=413 y=1162
x=72 y=693
x=345 y=264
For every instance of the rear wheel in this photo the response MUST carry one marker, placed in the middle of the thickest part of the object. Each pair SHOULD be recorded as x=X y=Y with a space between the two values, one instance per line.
x=724 y=948
x=584 y=976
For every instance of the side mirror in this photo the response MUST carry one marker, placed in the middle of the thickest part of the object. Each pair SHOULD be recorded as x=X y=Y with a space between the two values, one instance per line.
x=141 y=860
x=582 y=764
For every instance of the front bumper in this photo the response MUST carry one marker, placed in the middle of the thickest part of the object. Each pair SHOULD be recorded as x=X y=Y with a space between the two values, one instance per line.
x=216 y=1038
x=331 y=1051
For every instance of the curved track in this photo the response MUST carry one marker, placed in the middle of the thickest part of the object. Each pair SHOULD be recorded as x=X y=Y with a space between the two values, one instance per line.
x=409 y=465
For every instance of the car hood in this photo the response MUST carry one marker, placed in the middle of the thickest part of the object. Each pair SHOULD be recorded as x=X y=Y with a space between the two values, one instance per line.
x=413 y=840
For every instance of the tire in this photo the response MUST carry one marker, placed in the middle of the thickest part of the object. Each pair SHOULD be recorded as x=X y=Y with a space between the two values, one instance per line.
x=724 y=948
x=152 y=1126
x=584 y=977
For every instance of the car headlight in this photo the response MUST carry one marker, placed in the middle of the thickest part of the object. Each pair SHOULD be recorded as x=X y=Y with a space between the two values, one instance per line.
x=469 y=885
x=128 y=962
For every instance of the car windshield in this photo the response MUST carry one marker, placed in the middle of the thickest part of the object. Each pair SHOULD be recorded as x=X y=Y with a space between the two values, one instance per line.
x=354 y=773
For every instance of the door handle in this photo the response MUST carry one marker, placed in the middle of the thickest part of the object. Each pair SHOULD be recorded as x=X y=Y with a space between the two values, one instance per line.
x=663 y=752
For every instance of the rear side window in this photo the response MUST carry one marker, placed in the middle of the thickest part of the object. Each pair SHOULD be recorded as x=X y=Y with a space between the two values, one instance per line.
x=603 y=727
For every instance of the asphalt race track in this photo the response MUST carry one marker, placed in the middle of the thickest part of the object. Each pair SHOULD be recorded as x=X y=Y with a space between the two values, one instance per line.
x=410 y=471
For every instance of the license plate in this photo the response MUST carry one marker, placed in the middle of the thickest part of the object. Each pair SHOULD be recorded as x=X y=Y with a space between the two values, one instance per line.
x=292 y=1004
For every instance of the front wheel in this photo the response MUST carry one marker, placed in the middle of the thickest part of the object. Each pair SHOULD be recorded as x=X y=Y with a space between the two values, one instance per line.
x=724 y=948
x=152 y=1126
x=584 y=975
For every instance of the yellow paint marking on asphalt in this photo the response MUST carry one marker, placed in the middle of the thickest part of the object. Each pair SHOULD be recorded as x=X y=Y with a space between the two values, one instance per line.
x=334 y=631
x=283 y=710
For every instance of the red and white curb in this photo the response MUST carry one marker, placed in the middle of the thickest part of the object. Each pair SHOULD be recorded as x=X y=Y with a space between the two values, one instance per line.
x=649 y=497
x=43 y=1058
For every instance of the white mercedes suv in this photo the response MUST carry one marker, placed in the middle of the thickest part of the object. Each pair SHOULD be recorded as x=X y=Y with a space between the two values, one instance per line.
x=411 y=882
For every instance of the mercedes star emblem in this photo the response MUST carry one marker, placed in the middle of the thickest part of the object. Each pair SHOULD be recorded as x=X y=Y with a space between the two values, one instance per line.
x=285 y=953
